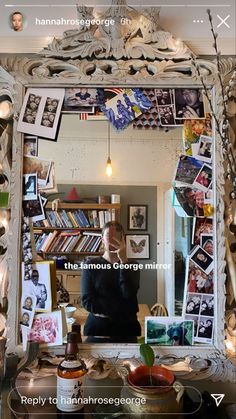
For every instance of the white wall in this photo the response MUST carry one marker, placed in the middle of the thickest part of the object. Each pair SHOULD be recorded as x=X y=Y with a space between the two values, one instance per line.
x=139 y=157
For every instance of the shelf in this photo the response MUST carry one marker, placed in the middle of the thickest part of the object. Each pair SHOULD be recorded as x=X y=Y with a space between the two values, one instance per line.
x=71 y=253
x=84 y=206
x=67 y=228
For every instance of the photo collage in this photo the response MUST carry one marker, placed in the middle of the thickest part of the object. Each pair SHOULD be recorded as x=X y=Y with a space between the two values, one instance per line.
x=193 y=198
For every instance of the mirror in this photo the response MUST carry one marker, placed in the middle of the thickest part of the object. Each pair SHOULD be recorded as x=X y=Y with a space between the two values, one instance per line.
x=58 y=72
x=79 y=156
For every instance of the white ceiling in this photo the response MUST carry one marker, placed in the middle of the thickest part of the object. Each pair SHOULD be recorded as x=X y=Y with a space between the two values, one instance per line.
x=176 y=16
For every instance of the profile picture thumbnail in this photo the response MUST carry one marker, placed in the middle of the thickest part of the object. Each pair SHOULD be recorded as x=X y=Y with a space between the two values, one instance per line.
x=17 y=21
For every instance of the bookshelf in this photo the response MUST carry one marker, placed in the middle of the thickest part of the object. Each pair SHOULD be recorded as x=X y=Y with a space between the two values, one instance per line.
x=74 y=229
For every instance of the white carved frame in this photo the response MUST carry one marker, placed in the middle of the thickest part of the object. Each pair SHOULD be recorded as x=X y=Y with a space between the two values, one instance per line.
x=56 y=73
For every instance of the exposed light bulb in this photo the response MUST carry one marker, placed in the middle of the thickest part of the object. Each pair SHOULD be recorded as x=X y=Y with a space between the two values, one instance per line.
x=109 y=167
x=5 y=109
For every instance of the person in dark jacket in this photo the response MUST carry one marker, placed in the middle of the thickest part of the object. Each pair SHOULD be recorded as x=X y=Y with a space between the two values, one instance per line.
x=109 y=286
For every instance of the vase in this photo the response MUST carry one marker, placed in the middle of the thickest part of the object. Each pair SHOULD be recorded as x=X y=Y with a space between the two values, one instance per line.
x=162 y=397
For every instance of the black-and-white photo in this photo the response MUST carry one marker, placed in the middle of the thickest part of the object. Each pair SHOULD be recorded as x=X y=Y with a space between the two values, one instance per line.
x=28 y=303
x=29 y=187
x=39 y=285
x=26 y=319
x=166 y=114
x=40 y=112
x=49 y=112
x=137 y=217
x=189 y=103
x=207 y=306
x=202 y=259
x=34 y=209
x=31 y=109
x=164 y=96
x=193 y=303
x=205 y=329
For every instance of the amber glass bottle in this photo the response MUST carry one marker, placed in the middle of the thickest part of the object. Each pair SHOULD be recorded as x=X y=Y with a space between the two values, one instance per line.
x=70 y=379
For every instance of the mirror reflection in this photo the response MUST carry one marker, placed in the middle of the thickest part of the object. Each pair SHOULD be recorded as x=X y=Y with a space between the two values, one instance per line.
x=120 y=244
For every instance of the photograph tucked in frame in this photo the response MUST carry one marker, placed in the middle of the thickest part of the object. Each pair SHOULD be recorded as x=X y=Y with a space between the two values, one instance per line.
x=204 y=178
x=39 y=285
x=47 y=330
x=169 y=331
x=193 y=129
x=137 y=217
x=191 y=200
x=204 y=150
x=198 y=281
x=201 y=226
x=206 y=242
x=202 y=259
x=137 y=246
x=79 y=97
x=30 y=187
x=188 y=169
x=34 y=209
x=205 y=329
x=125 y=107
x=41 y=111
x=26 y=319
x=28 y=302
x=189 y=103
x=39 y=166
x=164 y=96
x=30 y=145
x=167 y=116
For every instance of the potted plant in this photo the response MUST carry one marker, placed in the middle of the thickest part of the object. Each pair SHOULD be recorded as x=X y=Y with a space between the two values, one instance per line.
x=155 y=386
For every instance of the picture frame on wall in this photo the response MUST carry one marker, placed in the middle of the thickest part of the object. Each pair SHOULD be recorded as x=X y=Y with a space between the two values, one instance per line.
x=138 y=246
x=137 y=217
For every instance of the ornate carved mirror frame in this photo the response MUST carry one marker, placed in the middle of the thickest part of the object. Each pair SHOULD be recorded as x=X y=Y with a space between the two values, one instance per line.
x=161 y=61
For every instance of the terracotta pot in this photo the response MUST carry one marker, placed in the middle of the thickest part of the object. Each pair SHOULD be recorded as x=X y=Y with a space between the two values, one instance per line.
x=162 y=396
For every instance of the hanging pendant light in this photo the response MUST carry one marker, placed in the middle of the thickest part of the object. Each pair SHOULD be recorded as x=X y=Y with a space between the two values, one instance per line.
x=108 y=166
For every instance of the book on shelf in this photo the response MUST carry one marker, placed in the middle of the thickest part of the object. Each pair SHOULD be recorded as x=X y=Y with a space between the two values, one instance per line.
x=77 y=218
x=67 y=241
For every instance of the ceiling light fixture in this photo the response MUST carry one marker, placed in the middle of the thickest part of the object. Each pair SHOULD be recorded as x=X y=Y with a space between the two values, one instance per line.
x=108 y=166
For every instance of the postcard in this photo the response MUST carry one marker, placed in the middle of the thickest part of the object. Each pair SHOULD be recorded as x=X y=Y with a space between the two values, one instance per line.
x=125 y=107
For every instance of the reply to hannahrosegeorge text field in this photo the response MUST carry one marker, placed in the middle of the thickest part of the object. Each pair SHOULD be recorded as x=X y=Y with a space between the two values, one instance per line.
x=116 y=401
x=117 y=265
